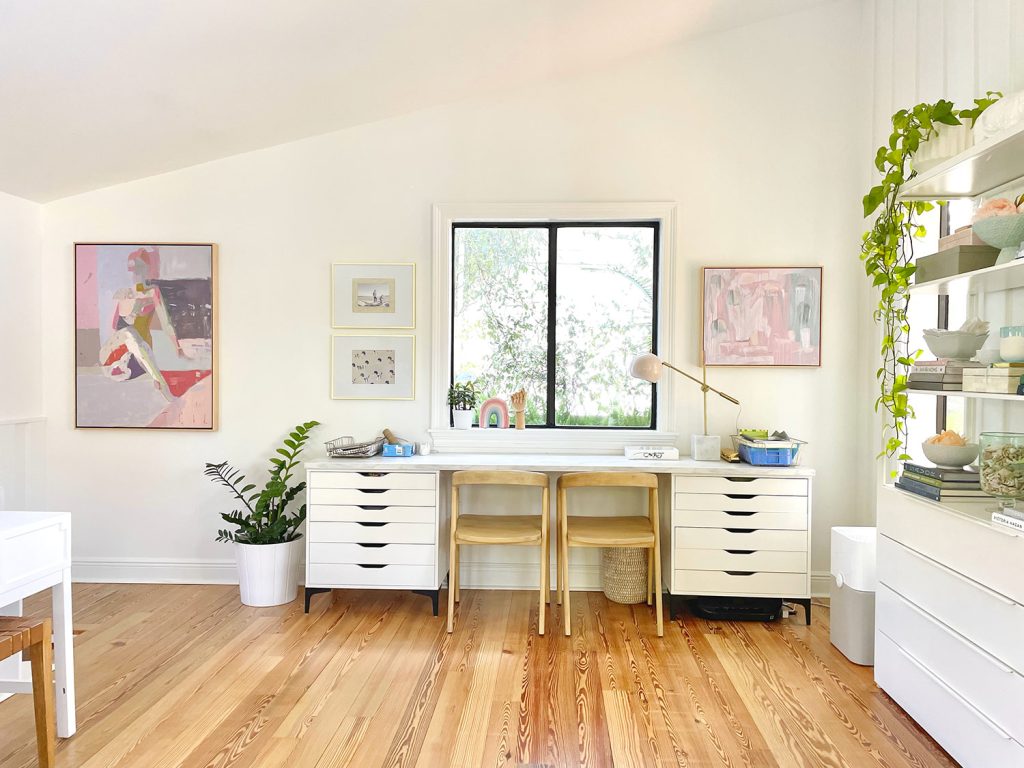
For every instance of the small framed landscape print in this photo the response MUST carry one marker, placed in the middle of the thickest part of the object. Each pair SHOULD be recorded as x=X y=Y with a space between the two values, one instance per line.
x=373 y=367
x=761 y=316
x=373 y=295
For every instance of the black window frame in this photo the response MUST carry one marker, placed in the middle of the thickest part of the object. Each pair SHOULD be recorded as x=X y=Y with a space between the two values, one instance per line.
x=552 y=228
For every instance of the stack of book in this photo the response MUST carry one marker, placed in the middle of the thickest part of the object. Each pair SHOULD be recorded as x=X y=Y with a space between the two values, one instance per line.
x=1012 y=518
x=1001 y=378
x=941 y=484
x=941 y=375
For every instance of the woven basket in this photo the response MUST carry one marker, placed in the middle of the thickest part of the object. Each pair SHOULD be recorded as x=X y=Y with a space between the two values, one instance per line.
x=624 y=574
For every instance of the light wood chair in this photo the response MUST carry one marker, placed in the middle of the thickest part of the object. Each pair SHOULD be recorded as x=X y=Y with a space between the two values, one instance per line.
x=34 y=637
x=624 y=531
x=521 y=530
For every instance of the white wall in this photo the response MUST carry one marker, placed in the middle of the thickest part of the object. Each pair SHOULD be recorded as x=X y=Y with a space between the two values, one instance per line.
x=747 y=131
x=21 y=401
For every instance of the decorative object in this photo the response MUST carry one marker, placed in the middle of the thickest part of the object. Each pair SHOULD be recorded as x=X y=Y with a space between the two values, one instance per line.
x=656 y=452
x=1000 y=223
x=144 y=335
x=768 y=316
x=649 y=368
x=955 y=260
x=1005 y=115
x=462 y=400
x=1011 y=343
x=373 y=367
x=947 y=141
x=346 y=448
x=624 y=574
x=954 y=345
x=887 y=252
x=988 y=356
x=379 y=295
x=949 y=450
x=1002 y=467
x=519 y=406
x=963 y=236
x=496 y=407
x=266 y=536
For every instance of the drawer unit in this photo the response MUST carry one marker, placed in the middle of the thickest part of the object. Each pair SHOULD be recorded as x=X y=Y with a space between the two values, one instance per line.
x=392 y=554
x=741 y=560
x=793 y=521
x=749 y=583
x=970 y=737
x=373 y=480
x=371 y=575
x=402 y=497
x=740 y=538
x=373 y=533
x=740 y=503
x=369 y=513
x=761 y=486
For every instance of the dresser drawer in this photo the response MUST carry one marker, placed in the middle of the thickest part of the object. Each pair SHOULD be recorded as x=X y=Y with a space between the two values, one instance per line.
x=763 y=486
x=688 y=582
x=371 y=575
x=984 y=617
x=793 y=521
x=371 y=533
x=392 y=554
x=374 y=496
x=973 y=740
x=370 y=513
x=987 y=684
x=423 y=481
x=740 y=538
x=740 y=560
x=740 y=502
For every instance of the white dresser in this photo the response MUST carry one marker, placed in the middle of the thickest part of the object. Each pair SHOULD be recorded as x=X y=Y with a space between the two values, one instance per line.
x=745 y=534
x=950 y=625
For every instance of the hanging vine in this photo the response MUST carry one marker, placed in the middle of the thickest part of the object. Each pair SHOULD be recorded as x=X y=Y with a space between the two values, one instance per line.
x=887 y=251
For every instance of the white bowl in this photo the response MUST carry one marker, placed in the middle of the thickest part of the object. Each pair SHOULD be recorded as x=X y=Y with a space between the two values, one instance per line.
x=954 y=345
x=950 y=456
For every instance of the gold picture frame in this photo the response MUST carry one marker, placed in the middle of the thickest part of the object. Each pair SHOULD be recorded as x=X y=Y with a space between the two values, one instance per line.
x=350 y=310
x=355 y=376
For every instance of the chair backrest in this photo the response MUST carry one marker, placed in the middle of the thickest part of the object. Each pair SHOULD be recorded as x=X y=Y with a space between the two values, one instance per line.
x=498 y=477
x=608 y=480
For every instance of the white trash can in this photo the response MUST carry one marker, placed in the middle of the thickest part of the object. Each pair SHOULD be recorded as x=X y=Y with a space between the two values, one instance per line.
x=852 y=613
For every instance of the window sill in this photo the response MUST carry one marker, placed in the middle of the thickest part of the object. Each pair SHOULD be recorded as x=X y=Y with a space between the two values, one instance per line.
x=586 y=441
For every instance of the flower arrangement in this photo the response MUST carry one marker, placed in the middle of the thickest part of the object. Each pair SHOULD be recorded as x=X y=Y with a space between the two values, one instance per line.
x=1000 y=206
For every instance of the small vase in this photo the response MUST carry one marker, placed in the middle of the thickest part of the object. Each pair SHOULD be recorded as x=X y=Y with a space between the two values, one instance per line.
x=1002 y=468
x=462 y=419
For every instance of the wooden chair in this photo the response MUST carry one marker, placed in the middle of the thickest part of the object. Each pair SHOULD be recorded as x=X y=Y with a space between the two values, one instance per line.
x=34 y=637
x=624 y=531
x=522 y=530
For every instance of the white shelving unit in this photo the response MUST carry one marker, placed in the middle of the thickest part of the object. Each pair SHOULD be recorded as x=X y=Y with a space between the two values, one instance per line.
x=969 y=395
x=991 y=164
x=1001 y=277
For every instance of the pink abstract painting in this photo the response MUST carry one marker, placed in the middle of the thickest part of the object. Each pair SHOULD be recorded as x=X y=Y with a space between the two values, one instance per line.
x=144 y=335
x=762 y=316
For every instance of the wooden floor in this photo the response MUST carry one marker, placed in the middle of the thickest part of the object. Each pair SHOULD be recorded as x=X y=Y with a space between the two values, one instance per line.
x=185 y=676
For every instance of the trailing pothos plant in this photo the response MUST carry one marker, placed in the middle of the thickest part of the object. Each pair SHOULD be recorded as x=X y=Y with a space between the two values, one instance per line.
x=264 y=516
x=887 y=251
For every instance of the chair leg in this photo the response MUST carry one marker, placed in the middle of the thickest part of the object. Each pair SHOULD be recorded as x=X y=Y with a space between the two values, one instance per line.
x=41 y=657
x=657 y=588
x=458 y=554
x=650 y=574
x=453 y=579
x=565 y=581
x=546 y=556
x=558 y=560
x=544 y=591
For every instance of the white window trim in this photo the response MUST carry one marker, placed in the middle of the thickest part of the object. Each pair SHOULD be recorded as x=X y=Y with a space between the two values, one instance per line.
x=596 y=440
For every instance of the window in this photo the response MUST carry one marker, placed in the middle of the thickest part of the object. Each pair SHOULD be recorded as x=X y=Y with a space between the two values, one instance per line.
x=557 y=309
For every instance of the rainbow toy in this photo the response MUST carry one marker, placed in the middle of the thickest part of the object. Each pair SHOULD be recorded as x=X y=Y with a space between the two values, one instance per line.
x=496 y=407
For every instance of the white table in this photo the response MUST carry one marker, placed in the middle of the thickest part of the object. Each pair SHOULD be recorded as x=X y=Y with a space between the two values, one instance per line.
x=35 y=554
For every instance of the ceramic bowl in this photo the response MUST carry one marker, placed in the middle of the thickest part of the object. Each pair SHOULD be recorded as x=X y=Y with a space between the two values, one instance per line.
x=1004 y=232
x=954 y=345
x=950 y=456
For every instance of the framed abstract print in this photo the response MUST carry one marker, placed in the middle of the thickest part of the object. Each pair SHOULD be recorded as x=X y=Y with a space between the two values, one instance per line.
x=373 y=295
x=373 y=367
x=761 y=316
x=145 y=335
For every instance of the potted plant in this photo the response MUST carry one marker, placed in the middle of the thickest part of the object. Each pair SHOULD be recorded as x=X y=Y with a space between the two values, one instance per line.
x=462 y=400
x=266 y=537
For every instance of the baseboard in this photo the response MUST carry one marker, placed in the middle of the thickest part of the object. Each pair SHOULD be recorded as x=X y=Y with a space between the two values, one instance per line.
x=821 y=583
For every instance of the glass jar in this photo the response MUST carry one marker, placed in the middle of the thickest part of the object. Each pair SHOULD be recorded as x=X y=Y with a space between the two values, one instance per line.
x=1002 y=467
x=1011 y=343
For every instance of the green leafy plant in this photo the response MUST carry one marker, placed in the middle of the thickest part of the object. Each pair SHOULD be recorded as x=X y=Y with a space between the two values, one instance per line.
x=264 y=518
x=887 y=251
x=462 y=396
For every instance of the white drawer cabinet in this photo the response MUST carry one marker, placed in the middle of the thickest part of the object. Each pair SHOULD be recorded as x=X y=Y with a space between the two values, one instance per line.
x=742 y=535
x=374 y=530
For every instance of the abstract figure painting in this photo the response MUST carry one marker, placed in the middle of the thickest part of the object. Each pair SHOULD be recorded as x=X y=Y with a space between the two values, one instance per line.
x=373 y=295
x=768 y=316
x=373 y=367
x=144 y=335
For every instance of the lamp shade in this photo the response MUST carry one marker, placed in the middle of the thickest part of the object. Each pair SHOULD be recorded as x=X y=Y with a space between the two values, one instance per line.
x=647 y=367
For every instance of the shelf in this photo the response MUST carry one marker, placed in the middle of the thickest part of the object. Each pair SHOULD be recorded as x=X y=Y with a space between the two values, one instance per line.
x=969 y=395
x=994 y=162
x=1001 y=277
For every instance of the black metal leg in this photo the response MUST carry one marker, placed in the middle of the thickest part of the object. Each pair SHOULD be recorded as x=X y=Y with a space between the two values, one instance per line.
x=310 y=591
x=806 y=603
x=675 y=603
x=433 y=594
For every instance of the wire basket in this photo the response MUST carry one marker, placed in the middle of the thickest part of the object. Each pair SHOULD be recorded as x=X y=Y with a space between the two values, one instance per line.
x=338 y=449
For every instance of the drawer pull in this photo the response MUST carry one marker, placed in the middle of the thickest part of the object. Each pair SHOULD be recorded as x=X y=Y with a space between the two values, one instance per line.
x=372 y=565
x=372 y=507
x=371 y=525
x=741 y=530
x=372 y=490
x=372 y=546
x=741 y=479
x=741 y=573
x=741 y=551
x=373 y=474
x=742 y=495
x=736 y=513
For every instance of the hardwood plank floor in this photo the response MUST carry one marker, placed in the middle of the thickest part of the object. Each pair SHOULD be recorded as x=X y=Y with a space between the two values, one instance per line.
x=186 y=676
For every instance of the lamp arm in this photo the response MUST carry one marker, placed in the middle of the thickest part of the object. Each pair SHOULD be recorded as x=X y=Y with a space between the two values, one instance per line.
x=703 y=386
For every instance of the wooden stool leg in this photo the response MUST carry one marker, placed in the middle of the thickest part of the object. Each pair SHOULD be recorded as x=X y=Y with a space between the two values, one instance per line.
x=565 y=579
x=558 y=560
x=41 y=657
x=650 y=575
x=453 y=577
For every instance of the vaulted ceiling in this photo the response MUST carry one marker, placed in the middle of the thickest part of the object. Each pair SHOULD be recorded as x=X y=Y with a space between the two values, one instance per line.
x=97 y=92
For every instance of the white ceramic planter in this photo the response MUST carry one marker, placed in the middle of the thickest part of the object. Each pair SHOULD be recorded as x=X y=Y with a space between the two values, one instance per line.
x=462 y=419
x=948 y=141
x=268 y=574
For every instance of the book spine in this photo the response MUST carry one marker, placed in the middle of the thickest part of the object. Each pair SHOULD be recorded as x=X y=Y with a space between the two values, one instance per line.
x=919 y=489
x=922 y=470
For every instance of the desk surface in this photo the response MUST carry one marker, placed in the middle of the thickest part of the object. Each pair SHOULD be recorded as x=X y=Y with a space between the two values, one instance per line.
x=14 y=522
x=549 y=463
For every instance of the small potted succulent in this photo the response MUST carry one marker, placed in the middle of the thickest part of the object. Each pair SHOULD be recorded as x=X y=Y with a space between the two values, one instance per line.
x=462 y=401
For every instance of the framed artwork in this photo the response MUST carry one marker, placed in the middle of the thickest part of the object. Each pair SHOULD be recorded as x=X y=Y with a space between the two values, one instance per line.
x=145 y=335
x=373 y=367
x=373 y=295
x=769 y=316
